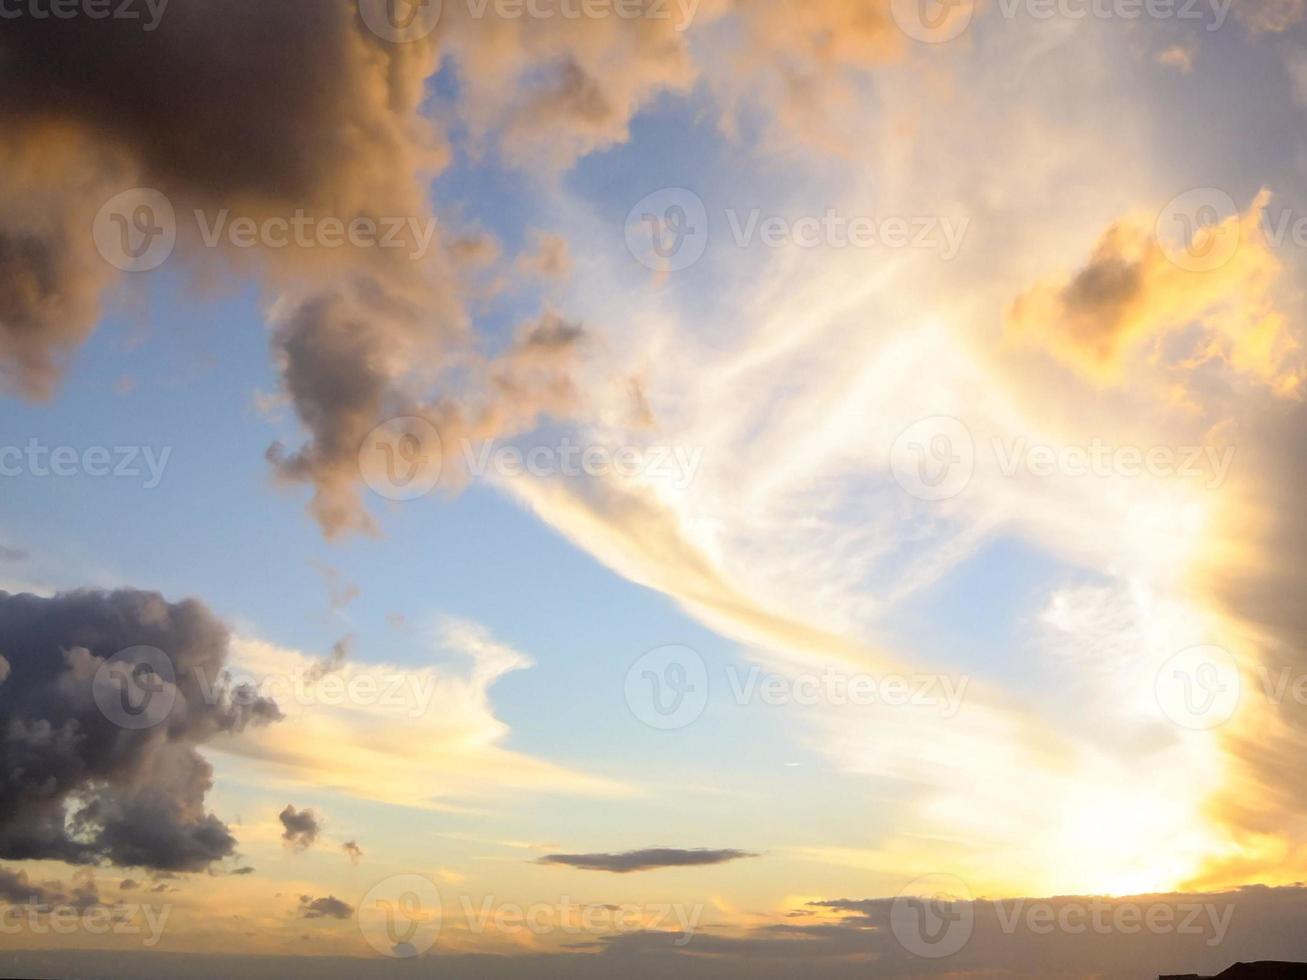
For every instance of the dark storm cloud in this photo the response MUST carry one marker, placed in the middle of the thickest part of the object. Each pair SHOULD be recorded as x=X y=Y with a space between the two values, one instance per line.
x=16 y=888
x=74 y=785
x=300 y=827
x=324 y=908
x=262 y=107
x=646 y=860
x=265 y=110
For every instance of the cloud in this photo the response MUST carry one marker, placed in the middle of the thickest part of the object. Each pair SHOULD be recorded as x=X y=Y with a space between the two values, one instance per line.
x=75 y=786
x=647 y=859
x=16 y=888
x=421 y=736
x=266 y=112
x=324 y=908
x=300 y=827
x=332 y=662
x=353 y=851
x=1132 y=291
x=254 y=107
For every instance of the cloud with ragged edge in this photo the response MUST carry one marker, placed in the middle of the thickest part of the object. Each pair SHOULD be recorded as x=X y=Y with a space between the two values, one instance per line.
x=78 y=786
x=1133 y=292
x=300 y=828
x=329 y=907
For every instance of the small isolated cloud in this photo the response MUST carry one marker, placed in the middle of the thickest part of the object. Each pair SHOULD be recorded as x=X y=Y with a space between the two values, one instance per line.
x=352 y=849
x=646 y=860
x=301 y=827
x=1179 y=57
x=331 y=663
x=324 y=908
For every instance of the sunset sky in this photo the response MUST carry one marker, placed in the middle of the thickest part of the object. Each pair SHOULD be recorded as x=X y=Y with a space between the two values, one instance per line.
x=794 y=456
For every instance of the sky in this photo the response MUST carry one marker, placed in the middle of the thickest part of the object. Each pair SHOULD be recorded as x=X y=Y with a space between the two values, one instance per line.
x=655 y=485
